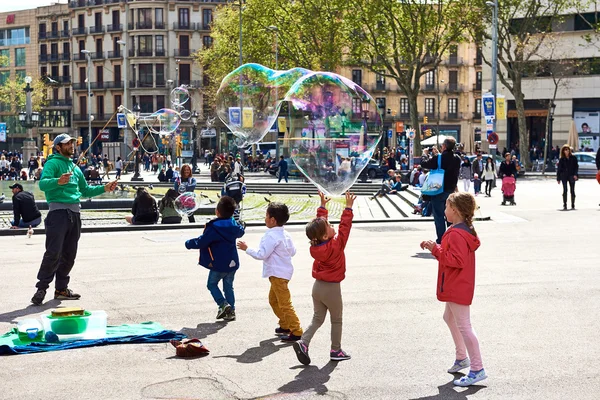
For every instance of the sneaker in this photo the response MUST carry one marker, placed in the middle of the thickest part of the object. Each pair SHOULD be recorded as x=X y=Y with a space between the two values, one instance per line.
x=339 y=355
x=38 y=297
x=230 y=316
x=301 y=352
x=223 y=310
x=473 y=377
x=290 y=338
x=282 y=332
x=66 y=294
x=459 y=365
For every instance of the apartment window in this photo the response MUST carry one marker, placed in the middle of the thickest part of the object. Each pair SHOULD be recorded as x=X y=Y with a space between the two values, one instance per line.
x=160 y=102
x=55 y=94
x=100 y=106
x=145 y=18
x=146 y=78
x=116 y=18
x=55 y=71
x=453 y=51
x=357 y=76
x=145 y=45
x=160 y=74
x=146 y=104
x=380 y=82
x=159 y=18
x=117 y=73
x=99 y=45
x=404 y=107
x=160 y=44
x=429 y=106
x=4 y=76
x=20 y=57
x=67 y=93
x=82 y=74
x=479 y=57
x=66 y=26
x=380 y=101
x=66 y=49
x=20 y=74
x=207 y=41
x=478 y=107
x=55 y=29
x=98 y=19
x=118 y=101
x=43 y=72
x=207 y=18
x=100 y=74
x=81 y=21
x=4 y=58
x=478 y=77
x=452 y=106
x=83 y=105
x=54 y=50
x=43 y=49
x=65 y=71
x=14 y=37
x=430 y=79
x=356 y=106
x=42 y=30
x=184 y=17
x=56 y=119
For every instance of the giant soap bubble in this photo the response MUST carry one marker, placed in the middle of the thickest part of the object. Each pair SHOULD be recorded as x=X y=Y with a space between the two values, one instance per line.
x=187 y=203
x=249 y=99
x=162 y=122
x=330 y=139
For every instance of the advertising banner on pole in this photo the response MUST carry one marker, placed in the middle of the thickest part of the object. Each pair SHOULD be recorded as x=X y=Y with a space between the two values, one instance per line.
x=247 y=117
x=121 y=122
x=500 y=107
x=489 y=108
x=235 y=116
x=2 y=131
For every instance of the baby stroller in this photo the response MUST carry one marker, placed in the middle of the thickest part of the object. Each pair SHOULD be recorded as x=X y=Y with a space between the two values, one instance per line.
x=236 y=189
x=508 y=190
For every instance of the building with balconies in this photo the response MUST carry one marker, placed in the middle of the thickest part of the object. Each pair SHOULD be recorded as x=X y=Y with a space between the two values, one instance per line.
x=450 y=96
x=160 y=36
x=18 y=43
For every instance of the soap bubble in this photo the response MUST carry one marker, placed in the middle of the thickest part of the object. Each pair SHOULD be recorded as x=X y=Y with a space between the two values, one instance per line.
x=179 y=96
x=329 y=139
x=185 y=114
x=187 y=203
x=249 y=99
x=162 y=122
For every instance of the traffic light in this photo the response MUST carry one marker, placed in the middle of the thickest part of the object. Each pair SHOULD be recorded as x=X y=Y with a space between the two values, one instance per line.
x=47 y=141
x=425 y=119
x=79 y=141
x=428 y=132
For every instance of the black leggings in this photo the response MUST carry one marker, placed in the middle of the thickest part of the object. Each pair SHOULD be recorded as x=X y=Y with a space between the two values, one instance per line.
x=571 y=180
x=488 y=187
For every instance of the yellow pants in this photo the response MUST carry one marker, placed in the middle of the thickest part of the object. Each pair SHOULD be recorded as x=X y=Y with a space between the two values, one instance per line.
x=281 y=303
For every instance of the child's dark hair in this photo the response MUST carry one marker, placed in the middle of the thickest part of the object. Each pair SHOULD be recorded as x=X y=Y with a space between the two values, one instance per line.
x=315 y=230
x=226 y=207
x=168 y=199
x=280 y=212
x=464 y=203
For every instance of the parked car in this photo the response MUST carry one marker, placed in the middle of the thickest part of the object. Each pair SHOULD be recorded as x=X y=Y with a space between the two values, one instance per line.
x=372 y=170
x=587 y=162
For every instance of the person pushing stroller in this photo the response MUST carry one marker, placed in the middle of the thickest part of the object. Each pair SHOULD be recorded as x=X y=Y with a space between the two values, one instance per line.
x=508 y=173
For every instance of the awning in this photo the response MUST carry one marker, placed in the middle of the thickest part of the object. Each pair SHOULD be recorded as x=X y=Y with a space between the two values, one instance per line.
x=529 y=113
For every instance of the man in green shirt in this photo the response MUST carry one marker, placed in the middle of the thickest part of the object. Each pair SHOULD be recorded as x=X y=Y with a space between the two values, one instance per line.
x=63 y=184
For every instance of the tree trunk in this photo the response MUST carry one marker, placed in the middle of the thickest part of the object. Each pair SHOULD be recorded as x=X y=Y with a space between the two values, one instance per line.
x=414 y=120
x=523 y=134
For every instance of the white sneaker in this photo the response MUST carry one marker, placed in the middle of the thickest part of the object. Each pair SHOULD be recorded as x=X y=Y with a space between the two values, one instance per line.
x=471 y=378
x=459 y=365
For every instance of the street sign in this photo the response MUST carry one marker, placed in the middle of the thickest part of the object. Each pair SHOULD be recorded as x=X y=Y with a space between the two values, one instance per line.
x=121 y=121
x=493 y=138
x=410 y=133
x=389 y=133
x=104 y=135
x=489 y=105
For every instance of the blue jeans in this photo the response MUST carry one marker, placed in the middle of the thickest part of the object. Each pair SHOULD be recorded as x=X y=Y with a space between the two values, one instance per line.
x=214 y=277
x=438 y=208
x=23 y=224
x=477 y=184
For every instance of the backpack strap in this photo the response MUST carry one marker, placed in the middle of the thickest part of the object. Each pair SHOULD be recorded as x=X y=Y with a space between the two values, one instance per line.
x=439 y=161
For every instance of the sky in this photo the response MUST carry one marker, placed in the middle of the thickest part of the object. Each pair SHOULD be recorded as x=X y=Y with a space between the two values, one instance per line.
x=13 y=5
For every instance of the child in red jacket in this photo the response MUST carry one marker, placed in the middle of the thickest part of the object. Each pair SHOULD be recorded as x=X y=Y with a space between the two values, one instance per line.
x=456 y=283
x=329 y=270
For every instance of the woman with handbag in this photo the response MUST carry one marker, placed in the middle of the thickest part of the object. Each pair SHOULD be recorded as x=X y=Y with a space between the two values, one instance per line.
x=489 y=176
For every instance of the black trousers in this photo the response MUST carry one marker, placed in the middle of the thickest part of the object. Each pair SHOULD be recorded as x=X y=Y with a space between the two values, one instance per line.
x=63 y=229
x=488 y=187
x=571 y=181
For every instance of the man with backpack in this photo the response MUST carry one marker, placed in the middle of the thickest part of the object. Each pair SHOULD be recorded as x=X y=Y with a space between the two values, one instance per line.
x=450 y=164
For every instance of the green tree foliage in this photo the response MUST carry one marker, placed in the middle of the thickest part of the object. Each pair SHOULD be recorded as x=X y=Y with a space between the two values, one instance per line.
x=12 y=93
x=311 y=34
x=524 y=27
x=403 y=40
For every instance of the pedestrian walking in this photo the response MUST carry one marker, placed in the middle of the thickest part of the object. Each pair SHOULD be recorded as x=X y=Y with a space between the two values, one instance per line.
x=466 y=173
x=63 y=184
x=456 y=284
x=567 y=171
x=283 y=169
x=489 y=176
x=478 y=166
x=119 y=167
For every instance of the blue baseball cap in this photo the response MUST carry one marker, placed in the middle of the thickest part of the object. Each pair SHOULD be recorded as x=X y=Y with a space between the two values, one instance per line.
x=63 y=138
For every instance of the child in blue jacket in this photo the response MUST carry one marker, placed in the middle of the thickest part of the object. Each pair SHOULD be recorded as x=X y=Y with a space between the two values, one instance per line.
x=218 y=253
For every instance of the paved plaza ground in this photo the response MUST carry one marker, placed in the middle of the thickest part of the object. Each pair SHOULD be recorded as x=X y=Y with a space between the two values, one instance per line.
x=535 y=312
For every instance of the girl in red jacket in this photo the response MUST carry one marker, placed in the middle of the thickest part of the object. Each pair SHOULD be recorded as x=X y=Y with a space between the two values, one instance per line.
x=456 y=283
x=329 y=270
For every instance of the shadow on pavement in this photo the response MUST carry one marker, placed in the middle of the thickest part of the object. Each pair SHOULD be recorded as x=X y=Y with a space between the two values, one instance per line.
x=451 y=392
x=204 y=330
x=310 y=377
x=257 y=354
x=30 y=309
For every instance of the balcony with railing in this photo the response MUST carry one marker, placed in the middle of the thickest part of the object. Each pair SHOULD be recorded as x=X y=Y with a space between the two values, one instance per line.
x=380 y=87
x=429 y=87
x=190 y=83
x=453 y=87
x=143 y=25
x=99 y=29
x=477 y=116
x=114 y=28
x=78 y=3
x=477 y=87
x=144 y=53
x=59 y=103
x=79 y=31
x=404 y=115
x=183 y=26
x=454 y=60
x=159 y=25
x=202 y=26
x=115 y=54
x=183 y=52
x=113 y=85
x=93 y=85
x=85 y=117
x=141 y=84
x=59 y=80
x=431 y=116
x=65 y=33
x=453 y=116
x=160 y=53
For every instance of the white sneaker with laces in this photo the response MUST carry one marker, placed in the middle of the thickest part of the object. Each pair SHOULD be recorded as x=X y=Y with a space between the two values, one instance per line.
x=459 y=365
x=471 y=378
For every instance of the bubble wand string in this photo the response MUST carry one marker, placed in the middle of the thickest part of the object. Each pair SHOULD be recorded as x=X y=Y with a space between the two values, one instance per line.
x=90 y=146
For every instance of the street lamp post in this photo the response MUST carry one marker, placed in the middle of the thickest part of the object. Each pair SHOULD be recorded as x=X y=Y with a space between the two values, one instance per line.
x=194 y=134
x=275 y=31
x=136 y=176
x=494 y=4
x=29 y=119
x=548 y=143
x=364 y=177
x=123 y=44
x=89 y=85
x=439 y=101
